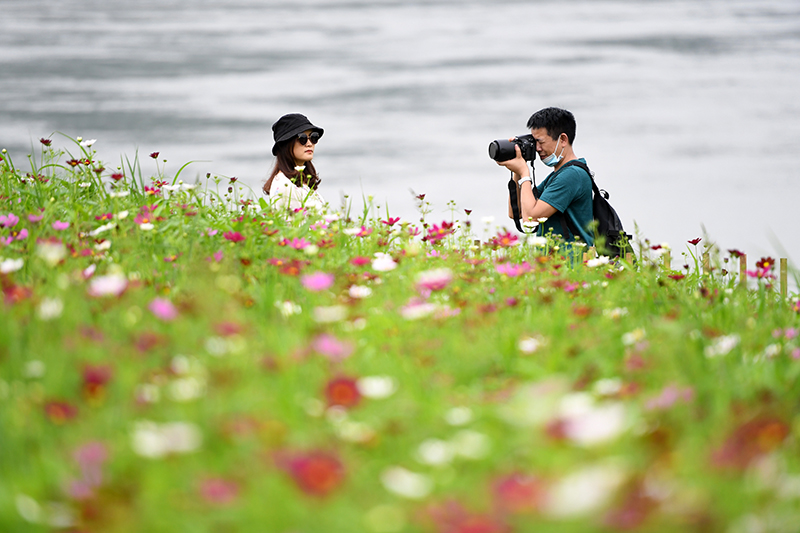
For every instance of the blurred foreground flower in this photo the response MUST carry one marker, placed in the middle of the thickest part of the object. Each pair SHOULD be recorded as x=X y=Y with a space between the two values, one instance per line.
x=585 y=491
x=218 y=491
x=342 y=391
x=406 y=483
x=383 y=262
x=318 y=281
x=332 y=348
x=109 y=285
x=316 y=473
x=750 y=441
x=153 y=440
x=163 y=309
x=434 y=280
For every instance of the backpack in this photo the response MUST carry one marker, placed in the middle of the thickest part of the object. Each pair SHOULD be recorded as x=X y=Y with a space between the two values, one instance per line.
x=616 y=243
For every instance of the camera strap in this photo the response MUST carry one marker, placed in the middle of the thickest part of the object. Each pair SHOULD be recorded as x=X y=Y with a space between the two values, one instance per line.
x=513 y=197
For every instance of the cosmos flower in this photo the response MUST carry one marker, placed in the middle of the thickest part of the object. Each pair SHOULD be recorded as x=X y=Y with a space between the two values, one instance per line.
x=318 y=281
x=163 y=309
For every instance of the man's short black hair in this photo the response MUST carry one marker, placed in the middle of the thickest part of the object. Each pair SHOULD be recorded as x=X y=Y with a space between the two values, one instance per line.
x=556 y=121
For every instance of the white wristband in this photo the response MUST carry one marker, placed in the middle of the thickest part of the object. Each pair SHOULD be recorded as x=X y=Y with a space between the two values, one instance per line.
x=523 y=180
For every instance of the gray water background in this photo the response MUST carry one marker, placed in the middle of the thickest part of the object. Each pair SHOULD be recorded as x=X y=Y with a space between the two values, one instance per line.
x=688 y=110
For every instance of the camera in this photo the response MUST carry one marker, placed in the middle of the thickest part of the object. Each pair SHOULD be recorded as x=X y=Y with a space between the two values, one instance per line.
x=503 y=149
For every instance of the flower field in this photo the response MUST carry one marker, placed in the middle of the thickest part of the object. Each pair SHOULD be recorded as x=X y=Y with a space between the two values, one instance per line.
x=181 y=357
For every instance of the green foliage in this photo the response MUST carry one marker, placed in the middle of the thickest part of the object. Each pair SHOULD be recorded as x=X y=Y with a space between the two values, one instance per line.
x=176 y=357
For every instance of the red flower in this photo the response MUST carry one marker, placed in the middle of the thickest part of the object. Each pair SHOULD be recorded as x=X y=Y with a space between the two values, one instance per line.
x=94 y=380
x=676 y=277
x=316 y=473
x=750 y=440
x=736 y=253
x=468 y=211
x=60 y=411
x=694 y=242
x=46 y=142
x=105 y=216
x=518 y=493
x=116 y=176
x=73 y=162
x=342 y=391
x=234 y=236
x=154 y=155
x=766 y=263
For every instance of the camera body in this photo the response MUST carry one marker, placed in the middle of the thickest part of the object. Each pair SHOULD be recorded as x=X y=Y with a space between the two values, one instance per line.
x=503 y=149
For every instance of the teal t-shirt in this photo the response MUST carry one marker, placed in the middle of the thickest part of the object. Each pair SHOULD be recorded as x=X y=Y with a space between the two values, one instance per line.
x=569 y=190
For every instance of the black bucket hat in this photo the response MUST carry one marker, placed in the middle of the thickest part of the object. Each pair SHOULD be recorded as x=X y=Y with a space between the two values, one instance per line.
x=289 y=126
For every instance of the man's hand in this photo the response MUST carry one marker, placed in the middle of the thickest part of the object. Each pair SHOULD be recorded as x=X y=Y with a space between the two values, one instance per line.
x=517 y=165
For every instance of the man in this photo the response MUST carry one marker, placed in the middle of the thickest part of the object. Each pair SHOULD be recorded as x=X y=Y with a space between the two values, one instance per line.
x=567 y=191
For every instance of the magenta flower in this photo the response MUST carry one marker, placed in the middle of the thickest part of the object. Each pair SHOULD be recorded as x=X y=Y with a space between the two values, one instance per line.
x=8 y=221
x=59 y=226
x=33 y=219
x=332 y=348
x=391 y=221
x=234 y=236
x=318 y=281
x=298 y=244
x=163 y=309
x=218 y=256
x=363 y=232
x=360 y=261
x=511 y=270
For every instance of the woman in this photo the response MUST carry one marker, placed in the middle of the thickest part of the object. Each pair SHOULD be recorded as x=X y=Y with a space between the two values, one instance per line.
x=294 y=180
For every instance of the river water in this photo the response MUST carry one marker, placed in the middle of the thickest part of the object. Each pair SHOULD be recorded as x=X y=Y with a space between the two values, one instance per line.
x=687 y=110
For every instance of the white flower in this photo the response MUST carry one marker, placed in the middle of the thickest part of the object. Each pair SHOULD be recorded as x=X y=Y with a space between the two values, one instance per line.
x=351 y=431
x=434 y=452
x=528 y=345
x=376 y=387
x=458 y=416
x=470 y=444
x=120 y=194
x=146 y=226
x=103 y=246
x=633 y=337
x=122 y=215
x=383 y=262
x=299 y=168
x=288 y=308
x=542 y=220
x=584 y=491
x=154 y=440
x=406 y=483
x=84 y=184
x=351 y=231
x=311 y=249
x=608 y=386
x=51 y=252
x=615 y=313
x=417 y=310
x=332 y=217
x=101 y=229
x=88 y=142
x=722 y=345
x=771 y=351
x=11 y=265
x=597 y=261
x=217 y=346
x=359 y=291
x=587 y=424
x=148 y=393
x=112 y=284
x=50 y=308
x=33 y=369
x=487 y=220
x=536 y=240
x=188 y=186
x=186 y=389
x=172 y=187
x=329 y=314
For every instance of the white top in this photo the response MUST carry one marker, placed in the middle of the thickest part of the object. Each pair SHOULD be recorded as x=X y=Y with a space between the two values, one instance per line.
x=285 y=194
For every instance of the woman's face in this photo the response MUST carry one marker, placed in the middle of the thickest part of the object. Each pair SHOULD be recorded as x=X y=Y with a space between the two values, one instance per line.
x=303 y=153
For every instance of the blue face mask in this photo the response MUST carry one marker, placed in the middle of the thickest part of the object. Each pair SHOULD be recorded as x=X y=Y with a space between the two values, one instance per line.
x=553 y=159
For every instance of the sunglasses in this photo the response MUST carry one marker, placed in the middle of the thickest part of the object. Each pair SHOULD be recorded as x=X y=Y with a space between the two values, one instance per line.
x=302 y=138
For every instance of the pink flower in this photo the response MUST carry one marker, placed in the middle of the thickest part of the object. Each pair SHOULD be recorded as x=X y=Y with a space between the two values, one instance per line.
x=33 y=219
x=519 y=493
x=570 y=287
x=668 y=396
x=210 y=232
x=90 y=457
x=297 y=244
x=434 y=280
x=360 y=261
x=332 y=348
x=219 y=491
x=218 y=256
x=504 y=240
x=234 y=236
x=511 y=270
x=364 y=232
x=109 y=285
x=391 y=221
x=318 y=281
x=163 y=309
x=8 y=221
x=58 y=225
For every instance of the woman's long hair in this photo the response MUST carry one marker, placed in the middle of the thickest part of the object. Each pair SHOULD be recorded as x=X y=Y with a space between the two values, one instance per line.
x=285 y=164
